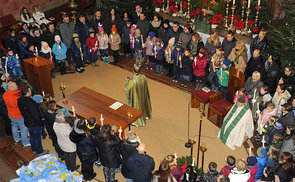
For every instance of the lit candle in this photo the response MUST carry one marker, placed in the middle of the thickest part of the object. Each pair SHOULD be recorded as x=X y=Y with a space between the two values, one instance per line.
x=260 y=129
x=249 y=2
x=73 y=110
x=101 y=120
x=193 y=163
x=234 y=2
x=249 y=151
x=175 y=156
x=141 y=40
x=120 y=132
x=43 y=93
x=258 y=4
x=263 y=142
x=36 y=50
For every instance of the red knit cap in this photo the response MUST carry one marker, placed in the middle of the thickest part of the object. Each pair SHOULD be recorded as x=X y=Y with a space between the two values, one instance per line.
x=114 y=29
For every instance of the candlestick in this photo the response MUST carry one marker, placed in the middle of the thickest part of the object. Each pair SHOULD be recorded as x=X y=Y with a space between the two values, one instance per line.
x=101 y=120
x=243 y=10
x=234 y=2
x=74 y=111
x=120 y=132
x=180 y=9
x=175 y=156
x=257 y=15
x=167 y=8
x=226 y=14
x=245 y=31
x=258 y=4
x=232 y=17
x=163 y=8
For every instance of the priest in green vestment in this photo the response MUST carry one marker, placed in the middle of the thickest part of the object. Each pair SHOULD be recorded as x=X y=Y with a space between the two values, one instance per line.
x=138 y=97
x=237 y=123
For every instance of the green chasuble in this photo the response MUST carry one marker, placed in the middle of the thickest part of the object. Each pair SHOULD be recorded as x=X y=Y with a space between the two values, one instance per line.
x=138 y=97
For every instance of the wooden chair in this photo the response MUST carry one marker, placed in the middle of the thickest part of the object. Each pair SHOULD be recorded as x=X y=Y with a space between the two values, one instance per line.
x=199 y=97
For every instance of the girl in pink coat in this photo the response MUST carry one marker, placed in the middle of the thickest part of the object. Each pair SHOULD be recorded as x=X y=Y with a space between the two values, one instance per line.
x=199 y=66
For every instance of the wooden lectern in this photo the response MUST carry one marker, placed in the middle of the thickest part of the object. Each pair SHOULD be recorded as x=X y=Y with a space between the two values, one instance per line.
x=38 y=73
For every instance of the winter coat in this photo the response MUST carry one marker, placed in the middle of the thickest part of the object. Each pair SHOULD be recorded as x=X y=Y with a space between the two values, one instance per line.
x=170 y=33
x=66 y=31
x=279 y=100
x=10 y=98
x=76 y=52
x=141 y=167
x=11 y=43
x=254 y=64
x=226 y=170
x=159 y=53
x=103 y=41
x=91 y=43
x=270 y=75
x=187 y=68
x=29 y=110
x=239 y=59
x=287 y=119
x=175 y=56
x=225 y=76
x=125 y=35
x=45 y=55
x=94 y=23
x=108 y=26
x=258 y=44
x=227 y=46
x=239 y=176
x=199 y=65
x=57 y=49
x=109 y=156
x=217 y=61
x=271 y=131
x=36 y=40
x=143 y=26
x=250 y=86
x=261 y=164
x=282 y=174
x=176 y=172
x=138 y=44
x=210 y=177
x=49 y=121
x=128 y=149
x=62 y=131
x=162 y=34
x=82 y=30
x=155 y=27
x=49 y=37
x=115 y=41
x=185 y=38
x=288 y=146
x=168 y=54
x=211 y=48
x=253 y=171
x=122 y=25
x=195 y=47
x=85 y=146
x=149 y=47
x=23 y=50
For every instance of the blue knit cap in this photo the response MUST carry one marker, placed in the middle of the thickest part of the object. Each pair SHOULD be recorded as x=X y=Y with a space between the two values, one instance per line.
x=261 y=152
x=65 y=111
x=152 y=34
x=226 y=62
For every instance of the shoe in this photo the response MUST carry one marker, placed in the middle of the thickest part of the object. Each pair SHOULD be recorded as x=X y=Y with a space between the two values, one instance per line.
x=27 y=145
x=82 y=69
x=16 y=142
x=78 y=69
x=91 y=177
x=176 y=81
x=45 y=151
x=147 y=118
x=97 y=164
x=133 y=124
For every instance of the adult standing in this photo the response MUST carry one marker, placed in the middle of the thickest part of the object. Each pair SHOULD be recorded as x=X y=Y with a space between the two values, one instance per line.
x=50 y=34
x=106 y=142
x=238 y=56
x=155 y=25
x=228 y=43
x=185 y=36
x=17 y=120
x=271 y=72
x=141 y=165
x=259 y=42
x=113 y=19
x=288 y=144
x=253 y=85
x=128 y=149
x=143 y=25
x=66 y=29
x=212 y=43
x=33 y=120
x=255 y=63
x=82 y=29
x=138 y=97
x=174 y=32
x=163 y=31
x=136 y=14
x=36 y=38
x=280 y=97
x=290 y=74
x=237 y=123
x=11 y=41
x=97 y=21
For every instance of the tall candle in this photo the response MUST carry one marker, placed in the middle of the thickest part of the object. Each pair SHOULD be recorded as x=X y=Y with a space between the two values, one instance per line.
x=120 y=132
x=175 y=156
x=43 y=93
x=101 y=120
x=258 y=3
x=249 y=151
x=193 y=163
x=234 y=2
x=73 y=110
x=249 y=2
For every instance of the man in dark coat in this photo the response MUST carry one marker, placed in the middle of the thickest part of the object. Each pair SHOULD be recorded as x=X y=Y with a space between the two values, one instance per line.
x=175 y=32
x=33 y=121
x=36 y=37
x=254 y=64
x=287 y=118
x=82 y=29
x=141 y=165
x=143 y=25
x=271 y=72
x=228 y=43
x=136 y=14
x=50 y=34
x=11 y=41
x=259 y=42
x=96 y=21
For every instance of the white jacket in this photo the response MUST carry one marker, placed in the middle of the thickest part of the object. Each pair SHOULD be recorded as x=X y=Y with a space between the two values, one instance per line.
x=279 y=100
x=62 y=131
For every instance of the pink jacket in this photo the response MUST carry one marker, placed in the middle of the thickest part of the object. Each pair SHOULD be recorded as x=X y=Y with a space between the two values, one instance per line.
x=264 y=117
x=199 y=66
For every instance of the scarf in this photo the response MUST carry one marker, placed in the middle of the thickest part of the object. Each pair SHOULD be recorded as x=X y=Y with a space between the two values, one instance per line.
x=46 y=51
x=78 y=44
x=156 y=24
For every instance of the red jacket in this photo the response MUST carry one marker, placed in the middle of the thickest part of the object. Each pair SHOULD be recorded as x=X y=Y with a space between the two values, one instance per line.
x=199 y=65
x=90 y=43
x=226 y=170
x=10 y=98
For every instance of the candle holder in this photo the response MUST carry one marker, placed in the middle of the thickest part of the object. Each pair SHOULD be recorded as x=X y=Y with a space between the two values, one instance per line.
x=203 y=149
x=243 y=10
x=163 y=7
x=257 y=15
x=232 y=17
x=245 y=31
x=129 y=116
x=180 y=9
x=190 y=144
x=226 y=14
x=73 y=7
x=188 y=9
x=167 y=8
x=202 y=110
x=62 y=87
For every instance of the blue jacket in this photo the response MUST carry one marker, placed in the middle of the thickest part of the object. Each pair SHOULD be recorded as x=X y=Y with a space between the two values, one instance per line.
x=175 y=56
x=82 y=30
x=137 y=44
x=261 y=164
x=23 y=51
x=75 y=51
x=62 y=51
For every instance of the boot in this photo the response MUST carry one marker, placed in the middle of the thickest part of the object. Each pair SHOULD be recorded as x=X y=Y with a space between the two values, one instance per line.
x=198 y=85
x=103 y=59
x=160 y=69
x=157 y=69
x=107 y=59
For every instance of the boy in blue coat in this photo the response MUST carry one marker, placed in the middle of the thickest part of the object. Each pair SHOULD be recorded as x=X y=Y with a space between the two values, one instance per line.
x=13 y=63
x=176 y=57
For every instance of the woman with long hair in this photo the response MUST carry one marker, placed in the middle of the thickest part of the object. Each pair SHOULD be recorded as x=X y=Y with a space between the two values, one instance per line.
x=163 y=174
x=112 y=18
x=238 y=56
x=286 y=170
x=26 y=17
x=288 y=144
x=212 y=43
x=106 y=142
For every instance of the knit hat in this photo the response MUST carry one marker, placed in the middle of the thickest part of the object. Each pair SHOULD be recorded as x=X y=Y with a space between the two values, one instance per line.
x=57 y=37
x=171 y=41
x=261 y=152
x=114 y=29
x=43 y=43
x=35 y=28
x=100 y=28
x=133 y=27
x=226 y=62
x=75 y=35
x=37 y=98
x=166 y=22
x=242 y=100
x=65 y=111
x=151 y=34
x=251 y=160
x=137 y=31
x=241 y=165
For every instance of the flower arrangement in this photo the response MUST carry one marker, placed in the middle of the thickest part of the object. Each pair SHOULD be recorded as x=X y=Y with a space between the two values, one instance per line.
x=173 y=9
x=239 y=25
x=255 y=30
x=195 y=12
x=251 y=23
x=157 y=3
x=171 y=2
x=236 y=18
x=184 y=4
x=216 y=19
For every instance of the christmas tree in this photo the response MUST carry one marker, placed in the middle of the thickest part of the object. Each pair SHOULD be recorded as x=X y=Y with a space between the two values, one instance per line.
x=282 y=36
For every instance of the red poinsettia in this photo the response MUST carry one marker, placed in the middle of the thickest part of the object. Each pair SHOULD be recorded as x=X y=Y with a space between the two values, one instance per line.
x=173 y=8
x=255 y=29
x=239 y=25
x=184 y=4
x=195 y=12
x=251 y=23
x=157 y=2
x=216 y=19
x=236 y=18
x=171 y=2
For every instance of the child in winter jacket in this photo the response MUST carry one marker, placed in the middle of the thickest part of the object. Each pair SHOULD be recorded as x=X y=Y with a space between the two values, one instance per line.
x=186 y=67
x=150 y=50
x=159 y=55
x=59 y=49
x=138 y=47
x=252 y=167
x=103 y=45
x=77 y=53
x=132 y=35
x=13 y=63
x=216 y=61
x=199 y=65
x=92 y=44
x=126 y=40
x=176 y=57
x=168 y=53
x=230 y=164
x=115 y=41
x=223 y=76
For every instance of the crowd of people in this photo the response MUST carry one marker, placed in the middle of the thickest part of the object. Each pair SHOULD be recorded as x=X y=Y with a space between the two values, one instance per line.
x=156 y=45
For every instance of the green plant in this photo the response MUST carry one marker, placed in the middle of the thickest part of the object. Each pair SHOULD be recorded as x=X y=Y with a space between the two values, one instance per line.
x=188 y=160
